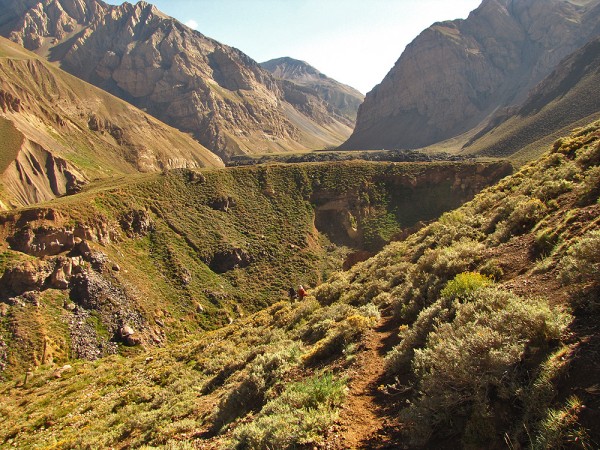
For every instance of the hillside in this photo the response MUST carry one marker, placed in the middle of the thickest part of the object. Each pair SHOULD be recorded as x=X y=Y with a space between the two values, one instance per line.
x=567 y=96
x=185 y=79
x=476 y=331
x=176 y=253
x=456 y=74
x=60 y=132
x=341 y=100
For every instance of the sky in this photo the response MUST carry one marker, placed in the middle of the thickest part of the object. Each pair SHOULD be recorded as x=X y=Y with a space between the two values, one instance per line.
x=355 y=42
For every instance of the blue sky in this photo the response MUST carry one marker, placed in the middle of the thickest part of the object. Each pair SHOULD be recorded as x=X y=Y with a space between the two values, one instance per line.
x=354 y=41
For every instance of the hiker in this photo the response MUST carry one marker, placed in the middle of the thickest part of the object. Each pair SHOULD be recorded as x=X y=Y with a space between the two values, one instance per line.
x=292 y=294
x=301 y=292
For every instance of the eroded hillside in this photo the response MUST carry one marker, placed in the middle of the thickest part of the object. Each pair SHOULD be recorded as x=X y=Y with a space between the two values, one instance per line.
x=479 y=330
x=58 y=133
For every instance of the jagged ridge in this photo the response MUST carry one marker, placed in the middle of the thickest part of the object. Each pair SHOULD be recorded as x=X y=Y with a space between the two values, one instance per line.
x=217 y=93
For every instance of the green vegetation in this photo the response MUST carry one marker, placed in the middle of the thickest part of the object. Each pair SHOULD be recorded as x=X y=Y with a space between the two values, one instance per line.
x=491 y=351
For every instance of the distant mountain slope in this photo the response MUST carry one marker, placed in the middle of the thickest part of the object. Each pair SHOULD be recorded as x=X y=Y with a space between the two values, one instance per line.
x=456 y=73
x=57 y=132
x=341 y=99
x=569 y=94
x=217 y=93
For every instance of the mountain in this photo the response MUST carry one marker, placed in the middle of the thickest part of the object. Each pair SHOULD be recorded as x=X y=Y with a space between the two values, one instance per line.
x=455 y=74
x=567 y=97
x=215 y=92
x=341 y=99
x=59 y=133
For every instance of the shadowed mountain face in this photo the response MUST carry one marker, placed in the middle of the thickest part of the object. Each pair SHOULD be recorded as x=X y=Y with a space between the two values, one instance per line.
x=57 y=132
x=456 y=73
x=568 y=95
x=215 y=92
x=341 y=100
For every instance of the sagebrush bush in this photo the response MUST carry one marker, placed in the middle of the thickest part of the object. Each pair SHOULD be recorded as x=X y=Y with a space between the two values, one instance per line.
x=339 y=336
x=545 y=241
x=254 y=381
x=298 y=417
x=582 y=261
x=589 y=190
x=464 y=284
x=526 y=212
x=477 y=350
x=560 y=428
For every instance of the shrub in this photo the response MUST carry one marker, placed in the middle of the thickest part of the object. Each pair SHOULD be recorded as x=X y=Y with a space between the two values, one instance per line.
x=464 y=284
x=526 y=213
x=249 y=392
x=491 y=268
x=476 y=351
x=545 y=241
x=589 y=190
x=339 y=336
x=298 y=417
x=560 y=428
x=582 y=262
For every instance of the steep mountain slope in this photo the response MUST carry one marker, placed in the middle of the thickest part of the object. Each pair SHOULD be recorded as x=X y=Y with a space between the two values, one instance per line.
x=487 y=319
x=568 y=95
x=456 y=73
x=59 y=132
x=340 y=99
x=217 y=93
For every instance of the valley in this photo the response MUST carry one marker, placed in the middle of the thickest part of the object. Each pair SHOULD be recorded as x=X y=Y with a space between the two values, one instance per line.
x=161 y=193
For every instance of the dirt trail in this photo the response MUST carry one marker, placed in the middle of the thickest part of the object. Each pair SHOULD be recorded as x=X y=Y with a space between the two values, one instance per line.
x=363 y=420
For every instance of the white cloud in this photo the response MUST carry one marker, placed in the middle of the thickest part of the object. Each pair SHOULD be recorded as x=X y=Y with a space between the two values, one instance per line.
x=192 y=24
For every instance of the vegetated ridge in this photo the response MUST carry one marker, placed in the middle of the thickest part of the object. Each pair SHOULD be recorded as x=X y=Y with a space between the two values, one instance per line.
x=456 y=74
x=341 y=99
x=59 y=132
x=215 y=92
x=484 y=325
x=150 y=259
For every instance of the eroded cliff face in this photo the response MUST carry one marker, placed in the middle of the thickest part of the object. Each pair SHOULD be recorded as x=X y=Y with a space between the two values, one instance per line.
x=456 y=73
x=217 y=93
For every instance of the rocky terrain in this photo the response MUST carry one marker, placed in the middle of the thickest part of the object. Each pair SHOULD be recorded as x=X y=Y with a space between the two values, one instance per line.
x=59 y=133
x=568 y=97
x=456 y=73
x=215 y=92
x=341 y=100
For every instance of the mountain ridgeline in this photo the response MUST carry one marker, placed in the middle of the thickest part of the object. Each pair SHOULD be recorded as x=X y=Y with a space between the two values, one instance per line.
x=342 y=100
x=456 y=74
x=215 y=92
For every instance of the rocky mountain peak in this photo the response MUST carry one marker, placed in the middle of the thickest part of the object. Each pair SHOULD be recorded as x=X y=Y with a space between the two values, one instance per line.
x=340 y=99
x=291 y=69
x=219 y=95
x=455 y=74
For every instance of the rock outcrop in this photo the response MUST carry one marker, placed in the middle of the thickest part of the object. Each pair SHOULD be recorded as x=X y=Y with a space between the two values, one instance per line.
x=340 y=99
x=215 y=92
x=456 y=73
